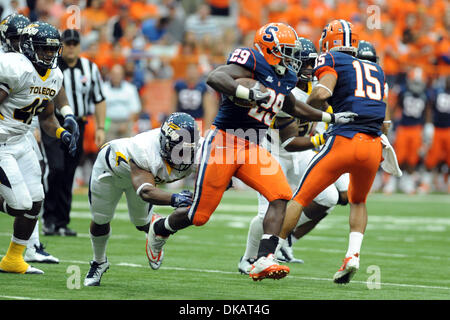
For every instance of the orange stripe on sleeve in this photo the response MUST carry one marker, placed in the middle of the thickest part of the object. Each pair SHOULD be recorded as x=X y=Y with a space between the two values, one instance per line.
x=325 y=70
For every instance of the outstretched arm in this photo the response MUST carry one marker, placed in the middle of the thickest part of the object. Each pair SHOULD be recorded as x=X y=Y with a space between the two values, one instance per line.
x=318 y=100
x=144 y=183
x=299 y=109
x=291 y=142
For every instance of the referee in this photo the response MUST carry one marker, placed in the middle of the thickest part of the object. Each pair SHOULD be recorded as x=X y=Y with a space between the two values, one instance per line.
x=83 y=87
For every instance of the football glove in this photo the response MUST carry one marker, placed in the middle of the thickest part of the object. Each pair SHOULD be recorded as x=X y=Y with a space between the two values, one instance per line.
x=319 y=139
x=71 y=124
x=68 y=140
x=182 y=199
x=343 y=117
x=257 y=95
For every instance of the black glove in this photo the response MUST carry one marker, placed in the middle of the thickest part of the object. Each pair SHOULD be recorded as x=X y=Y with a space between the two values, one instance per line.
x=182 y=199
x=71 y=124
x=68 y=140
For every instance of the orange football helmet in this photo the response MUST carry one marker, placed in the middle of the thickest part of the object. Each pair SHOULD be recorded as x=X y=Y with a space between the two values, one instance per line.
x=338 y=35
x=279 y=44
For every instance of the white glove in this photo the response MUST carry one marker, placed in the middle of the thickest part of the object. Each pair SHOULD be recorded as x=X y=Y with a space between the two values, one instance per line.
x=257 y=95
x=343 y=117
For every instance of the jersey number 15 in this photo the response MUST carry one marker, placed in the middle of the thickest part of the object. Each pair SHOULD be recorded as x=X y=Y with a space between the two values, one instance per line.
x=372 y=91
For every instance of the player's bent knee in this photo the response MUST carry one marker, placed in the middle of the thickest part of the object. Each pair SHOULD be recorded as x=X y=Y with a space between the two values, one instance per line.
x=200 y=219
x=328 y=198
x=18 y=207
x=33 y=214
x=343 y=198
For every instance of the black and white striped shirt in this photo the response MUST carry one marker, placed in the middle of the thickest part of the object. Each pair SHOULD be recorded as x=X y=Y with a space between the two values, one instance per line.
x=83 y=84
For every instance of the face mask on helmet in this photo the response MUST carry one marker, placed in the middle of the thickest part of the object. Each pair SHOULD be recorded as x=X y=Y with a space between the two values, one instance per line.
x=47 y=55
x=179 y=145
x=306 y=72
x=289 y=55
x=40 y=48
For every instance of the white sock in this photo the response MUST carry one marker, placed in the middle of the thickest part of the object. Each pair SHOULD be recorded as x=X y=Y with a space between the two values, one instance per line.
x=354 y=243
x=255 y=233
x=34 y=238
x=19 y=241
x=293 y=239
x=99 y=246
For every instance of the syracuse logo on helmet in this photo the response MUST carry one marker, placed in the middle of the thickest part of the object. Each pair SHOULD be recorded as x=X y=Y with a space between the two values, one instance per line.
x=278 y=43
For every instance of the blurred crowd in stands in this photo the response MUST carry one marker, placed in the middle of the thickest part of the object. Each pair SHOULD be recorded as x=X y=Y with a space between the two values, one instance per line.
x=164 y=48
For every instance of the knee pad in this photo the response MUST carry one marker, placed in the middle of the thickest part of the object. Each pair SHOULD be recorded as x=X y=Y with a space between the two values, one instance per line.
x=30 y=213
x=33 y=214
x=17 y=206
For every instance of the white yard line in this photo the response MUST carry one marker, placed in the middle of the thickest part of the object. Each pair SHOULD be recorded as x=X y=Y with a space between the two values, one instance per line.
x=21 y=298
x=133 y=265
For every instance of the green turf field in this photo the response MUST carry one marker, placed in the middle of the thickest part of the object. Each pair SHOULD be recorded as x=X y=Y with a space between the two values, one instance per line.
x=407 y=241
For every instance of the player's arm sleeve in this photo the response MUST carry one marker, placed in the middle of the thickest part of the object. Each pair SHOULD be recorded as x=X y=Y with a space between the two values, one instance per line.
x=144 y=159
x=325 y=65
x=243 y=57
x=9 y=77
x=145 y=186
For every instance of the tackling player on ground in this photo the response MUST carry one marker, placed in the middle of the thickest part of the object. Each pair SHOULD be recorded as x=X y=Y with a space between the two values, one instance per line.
x=28 y=84
x=135 y=167
x=231 y=147
x=348 y=84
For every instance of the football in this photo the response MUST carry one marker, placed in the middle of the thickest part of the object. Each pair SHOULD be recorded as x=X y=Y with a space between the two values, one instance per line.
x=248 y=83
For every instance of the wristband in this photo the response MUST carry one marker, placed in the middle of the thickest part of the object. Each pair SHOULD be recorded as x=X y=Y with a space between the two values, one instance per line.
x=138 y=191
x=326 y=117
x=387 y=121
x=59 y=132
x=285 y=143
x=66 y=110
x=325 y=87
x=242 y=92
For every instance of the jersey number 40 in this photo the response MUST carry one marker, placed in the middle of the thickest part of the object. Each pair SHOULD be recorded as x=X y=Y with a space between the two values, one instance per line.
x=27 y=113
